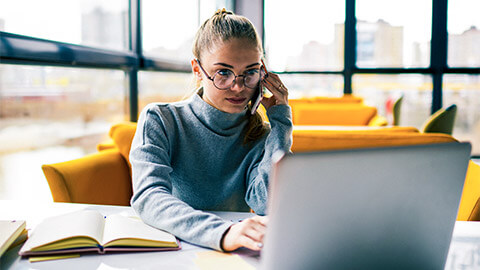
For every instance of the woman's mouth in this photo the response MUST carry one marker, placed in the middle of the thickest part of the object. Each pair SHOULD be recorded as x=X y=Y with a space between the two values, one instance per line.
x=236 y=100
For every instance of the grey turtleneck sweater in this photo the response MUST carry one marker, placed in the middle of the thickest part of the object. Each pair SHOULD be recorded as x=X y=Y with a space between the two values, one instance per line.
x=188 y=156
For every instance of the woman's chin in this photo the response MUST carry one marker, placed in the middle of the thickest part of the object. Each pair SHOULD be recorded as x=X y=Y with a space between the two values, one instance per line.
x=233 y=109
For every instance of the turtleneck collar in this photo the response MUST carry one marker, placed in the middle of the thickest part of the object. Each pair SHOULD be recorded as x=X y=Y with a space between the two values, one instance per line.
x=216 y=120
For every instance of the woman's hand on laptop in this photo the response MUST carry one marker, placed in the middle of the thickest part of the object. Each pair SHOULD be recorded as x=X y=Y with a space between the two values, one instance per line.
x=247 y=233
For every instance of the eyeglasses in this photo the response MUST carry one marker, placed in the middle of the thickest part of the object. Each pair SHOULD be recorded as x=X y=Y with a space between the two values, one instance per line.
x=224 y=79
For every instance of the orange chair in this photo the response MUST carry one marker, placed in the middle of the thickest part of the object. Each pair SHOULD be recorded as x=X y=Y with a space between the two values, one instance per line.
x=100 y=178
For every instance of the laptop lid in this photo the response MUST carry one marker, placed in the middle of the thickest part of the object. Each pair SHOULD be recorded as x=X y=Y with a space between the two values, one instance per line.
x=381 y=208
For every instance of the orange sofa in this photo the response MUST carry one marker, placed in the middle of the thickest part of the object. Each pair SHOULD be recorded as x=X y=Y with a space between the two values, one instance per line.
x=105 y=177
x=347 y=110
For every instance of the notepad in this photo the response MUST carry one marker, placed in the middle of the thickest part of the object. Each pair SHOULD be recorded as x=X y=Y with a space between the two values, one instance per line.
x=90 y=231
x=12 y=232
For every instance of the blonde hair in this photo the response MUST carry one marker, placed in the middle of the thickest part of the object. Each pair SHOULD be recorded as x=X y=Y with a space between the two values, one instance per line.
x=221 y=27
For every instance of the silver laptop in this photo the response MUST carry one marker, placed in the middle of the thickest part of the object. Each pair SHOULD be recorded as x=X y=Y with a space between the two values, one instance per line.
x=382 y=208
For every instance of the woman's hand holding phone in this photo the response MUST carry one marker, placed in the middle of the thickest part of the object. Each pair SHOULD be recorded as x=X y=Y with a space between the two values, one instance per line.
x=273 y=84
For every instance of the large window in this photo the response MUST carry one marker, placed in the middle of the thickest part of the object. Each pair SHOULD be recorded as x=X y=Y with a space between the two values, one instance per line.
x=164 y=87
x=426 y=51
x=96 y=23
x=463 y=33
x=304 y=35
x=169 y=26
x=388 y=37
x=464 y=91
x=71 y=69
x=381 y=89
x=310 y=85
x=52 y=114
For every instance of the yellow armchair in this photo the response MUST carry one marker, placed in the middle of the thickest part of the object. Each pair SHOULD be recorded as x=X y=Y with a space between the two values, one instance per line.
x=100 y=178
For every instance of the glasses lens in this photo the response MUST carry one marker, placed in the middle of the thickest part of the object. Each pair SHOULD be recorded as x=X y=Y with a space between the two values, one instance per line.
x=252 y=77
x=223 y=79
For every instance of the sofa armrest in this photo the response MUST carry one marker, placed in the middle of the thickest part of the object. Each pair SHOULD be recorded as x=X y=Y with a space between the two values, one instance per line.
x=106 y=145
x=100 y=178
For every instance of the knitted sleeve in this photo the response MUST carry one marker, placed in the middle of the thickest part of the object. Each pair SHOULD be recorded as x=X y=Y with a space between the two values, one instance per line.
x=278 y=140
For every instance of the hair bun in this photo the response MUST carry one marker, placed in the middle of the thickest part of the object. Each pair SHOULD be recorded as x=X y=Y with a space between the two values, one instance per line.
x=223 y=11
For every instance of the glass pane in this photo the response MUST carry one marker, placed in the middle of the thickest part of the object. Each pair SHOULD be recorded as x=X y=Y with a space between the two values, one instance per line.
x=96 y=23
x=464 y=91
x=393 y=33
x=52 y=114
x=311 y=85
x=463 y=33
x=309 y=38
x=164 y=87
x=168 y=27
x=381 y=90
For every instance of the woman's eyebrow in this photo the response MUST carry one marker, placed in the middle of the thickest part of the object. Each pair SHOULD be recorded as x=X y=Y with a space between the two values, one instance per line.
x=230 y=66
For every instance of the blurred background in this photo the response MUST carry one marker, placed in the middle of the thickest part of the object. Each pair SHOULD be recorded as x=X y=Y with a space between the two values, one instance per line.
x=71 y=69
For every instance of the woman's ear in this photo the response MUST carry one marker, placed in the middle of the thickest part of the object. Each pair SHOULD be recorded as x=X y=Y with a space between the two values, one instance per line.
x=196 y=69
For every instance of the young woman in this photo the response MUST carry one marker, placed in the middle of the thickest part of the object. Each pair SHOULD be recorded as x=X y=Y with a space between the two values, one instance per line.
x=210 y=152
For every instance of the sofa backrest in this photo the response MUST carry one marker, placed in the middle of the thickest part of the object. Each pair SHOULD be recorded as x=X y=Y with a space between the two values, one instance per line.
x=327 y=140
x=333 y=114
x=345 y=99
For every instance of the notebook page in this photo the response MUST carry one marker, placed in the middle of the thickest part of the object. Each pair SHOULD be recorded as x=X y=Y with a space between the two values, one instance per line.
x=80 y=223
x=132 y=227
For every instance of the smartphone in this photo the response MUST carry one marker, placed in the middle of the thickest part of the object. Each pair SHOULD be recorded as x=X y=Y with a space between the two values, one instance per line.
x=259 y=93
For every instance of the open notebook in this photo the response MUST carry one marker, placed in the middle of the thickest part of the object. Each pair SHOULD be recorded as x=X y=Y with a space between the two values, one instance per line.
x=89 y=231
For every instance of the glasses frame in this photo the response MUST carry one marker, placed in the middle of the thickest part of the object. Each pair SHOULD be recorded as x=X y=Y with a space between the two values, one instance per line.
x=211 y=78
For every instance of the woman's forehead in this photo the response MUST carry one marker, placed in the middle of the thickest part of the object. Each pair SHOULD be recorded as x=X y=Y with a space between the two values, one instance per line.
x=234 y=51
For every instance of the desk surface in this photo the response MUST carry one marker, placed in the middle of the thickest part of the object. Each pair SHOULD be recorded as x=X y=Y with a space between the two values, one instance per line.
x=463 y=252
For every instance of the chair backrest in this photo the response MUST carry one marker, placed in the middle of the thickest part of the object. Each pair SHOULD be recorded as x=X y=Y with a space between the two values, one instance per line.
x=441 y=121
x=99 y=178
x=396 y=110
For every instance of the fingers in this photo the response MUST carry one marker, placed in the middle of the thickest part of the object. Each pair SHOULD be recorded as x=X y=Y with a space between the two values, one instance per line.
x=280 y=93
x=273 y=82
x=249 y=233
x=254 y=232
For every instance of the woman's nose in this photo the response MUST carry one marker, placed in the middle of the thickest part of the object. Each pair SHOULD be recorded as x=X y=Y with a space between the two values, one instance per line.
x=238 y=84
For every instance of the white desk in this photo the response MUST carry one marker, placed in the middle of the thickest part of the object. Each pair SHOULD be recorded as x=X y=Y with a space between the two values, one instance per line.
x=34 y=213
x=464 y=250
